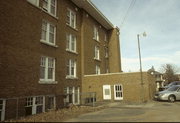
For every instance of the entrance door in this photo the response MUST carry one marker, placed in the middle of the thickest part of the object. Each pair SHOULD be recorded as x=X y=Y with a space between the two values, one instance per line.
x=118 y=92
x=106 y=92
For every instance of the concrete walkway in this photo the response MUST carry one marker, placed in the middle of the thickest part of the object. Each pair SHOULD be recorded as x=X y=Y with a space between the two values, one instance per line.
x=148 y=112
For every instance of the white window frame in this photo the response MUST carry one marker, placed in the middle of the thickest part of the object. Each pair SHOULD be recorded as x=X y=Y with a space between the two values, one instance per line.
x=97 y=53
x=3 y=110
x=106 y=87
x=47 y=32
x=46 y=66
x=71 y=64
x=34 y=105
x=98 y=70
x=71 y=39
x=54 y=102
x=71 y=15
x=107 y=70
x=96 y=33
x=34 y=2
x=120 y=90
x=66 y=100
x=76 y=92
x=66 y=92
x=105 y=37
x=106 y=52
x=49 y=5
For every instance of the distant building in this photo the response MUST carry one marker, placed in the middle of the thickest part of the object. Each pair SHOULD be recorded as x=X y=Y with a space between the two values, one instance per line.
x=158 y=77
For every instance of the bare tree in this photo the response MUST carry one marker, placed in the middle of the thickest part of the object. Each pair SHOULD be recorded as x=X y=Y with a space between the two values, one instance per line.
x=170 y=71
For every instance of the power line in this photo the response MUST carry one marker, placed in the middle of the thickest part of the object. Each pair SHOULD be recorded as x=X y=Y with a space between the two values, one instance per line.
x=128 y=10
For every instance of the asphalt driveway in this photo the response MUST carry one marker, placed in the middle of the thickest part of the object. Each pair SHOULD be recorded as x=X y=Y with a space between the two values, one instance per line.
x=149 y=112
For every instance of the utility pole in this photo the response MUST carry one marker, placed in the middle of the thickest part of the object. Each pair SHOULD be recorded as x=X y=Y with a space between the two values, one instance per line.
x=139 y=49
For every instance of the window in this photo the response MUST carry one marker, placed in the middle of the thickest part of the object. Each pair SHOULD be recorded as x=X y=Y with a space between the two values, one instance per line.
x=96 y=34
x=72 y=95
x=51 y=102
x=71 y=42
x=97 y=54
x=39 y=104
x=107 y=70
x=28 y=106
x=71 y=18
x=76 y=95
x=48 y=33
x=34 y=105
x=106 y=52
x=105 y=37
x=97 y=69
x=118 y=92
x=50 y=6
x=34 y=2
x=2 y=109
x=47 y=69
x=66 y=93
x=71 y=69
x=29 y=101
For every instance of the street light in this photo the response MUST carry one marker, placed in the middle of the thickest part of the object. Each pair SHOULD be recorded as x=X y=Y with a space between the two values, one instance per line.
x=138 y=35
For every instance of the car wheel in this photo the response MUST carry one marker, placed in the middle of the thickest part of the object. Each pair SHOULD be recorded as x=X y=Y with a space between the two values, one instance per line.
x=172 y=98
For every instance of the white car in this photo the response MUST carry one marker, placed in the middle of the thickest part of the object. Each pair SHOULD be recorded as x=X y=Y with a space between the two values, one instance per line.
x=171 y=94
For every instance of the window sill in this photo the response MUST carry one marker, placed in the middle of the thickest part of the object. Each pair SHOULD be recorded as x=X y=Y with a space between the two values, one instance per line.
x=47 y=82
x=44 y=42
x=97 y=59
x=96 y=40
x=74 y=52
x=118 y=99
x=72 y=27
x=69 y=77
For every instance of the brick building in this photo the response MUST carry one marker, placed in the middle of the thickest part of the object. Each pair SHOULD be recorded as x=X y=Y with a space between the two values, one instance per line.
x=120 y=87
x=46 y=48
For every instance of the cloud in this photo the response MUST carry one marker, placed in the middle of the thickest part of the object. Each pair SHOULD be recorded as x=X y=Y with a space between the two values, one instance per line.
x=161 y=21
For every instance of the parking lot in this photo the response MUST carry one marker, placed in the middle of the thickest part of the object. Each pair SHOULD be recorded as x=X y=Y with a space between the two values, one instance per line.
x=148 y=112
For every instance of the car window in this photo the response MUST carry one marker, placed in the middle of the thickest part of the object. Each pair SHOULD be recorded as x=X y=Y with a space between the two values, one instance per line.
x=172 y=83
x=179 y=89
x=173 y=88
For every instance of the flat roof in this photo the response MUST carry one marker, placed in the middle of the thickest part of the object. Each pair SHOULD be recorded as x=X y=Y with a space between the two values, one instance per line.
x=94 y=12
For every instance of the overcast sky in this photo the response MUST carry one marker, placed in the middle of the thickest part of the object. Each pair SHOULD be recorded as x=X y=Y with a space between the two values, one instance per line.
x=160 y=19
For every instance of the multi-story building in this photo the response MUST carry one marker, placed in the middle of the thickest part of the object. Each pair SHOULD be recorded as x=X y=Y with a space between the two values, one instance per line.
x=46 y=48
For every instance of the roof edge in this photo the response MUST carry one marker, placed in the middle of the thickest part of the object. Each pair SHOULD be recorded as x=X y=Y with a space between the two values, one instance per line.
x=91 y=9
x=105 y=18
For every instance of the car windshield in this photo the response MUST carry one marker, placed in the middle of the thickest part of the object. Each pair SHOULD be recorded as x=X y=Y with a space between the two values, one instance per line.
x=172 y=83
x=173 y=88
